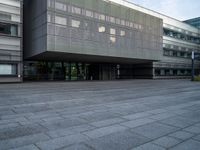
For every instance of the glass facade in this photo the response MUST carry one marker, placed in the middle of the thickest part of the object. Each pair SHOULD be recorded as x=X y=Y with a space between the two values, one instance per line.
x=8 y=29
x=181 y=36
x=68 y=71
x=79 y=71
x=194 y=22
x=10 y=40
x=8 y=69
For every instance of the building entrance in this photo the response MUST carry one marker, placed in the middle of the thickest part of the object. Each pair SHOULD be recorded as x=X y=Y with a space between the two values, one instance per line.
x=78 y=71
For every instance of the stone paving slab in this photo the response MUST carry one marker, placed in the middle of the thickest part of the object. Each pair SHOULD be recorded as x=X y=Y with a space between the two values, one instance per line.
x=187 y=145
x=28 y=147
x=22 y=141
x=166 y=142
x=122 y=140
x=79 y=146
x=113 y=115
x=148 y=146
x=96 y=133
x=181 y=135
x=57 y=143
x=154 y=130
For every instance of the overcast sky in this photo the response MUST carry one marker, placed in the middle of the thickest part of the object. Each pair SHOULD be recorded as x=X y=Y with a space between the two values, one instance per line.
x=178 y=9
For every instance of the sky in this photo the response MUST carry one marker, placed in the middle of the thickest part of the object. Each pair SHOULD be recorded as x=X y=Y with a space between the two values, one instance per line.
x=178 y=9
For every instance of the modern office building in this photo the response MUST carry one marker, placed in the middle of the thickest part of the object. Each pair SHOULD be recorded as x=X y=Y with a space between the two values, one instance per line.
x=104 y=40
x=194 y=22
x=90 y=39
x=10 y=41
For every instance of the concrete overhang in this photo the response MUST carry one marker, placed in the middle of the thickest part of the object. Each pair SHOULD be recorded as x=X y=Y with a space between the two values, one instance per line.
x=59 y=56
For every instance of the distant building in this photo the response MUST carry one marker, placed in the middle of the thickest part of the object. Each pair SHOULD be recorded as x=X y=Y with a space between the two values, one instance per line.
x=10 y=40
x=194 y=22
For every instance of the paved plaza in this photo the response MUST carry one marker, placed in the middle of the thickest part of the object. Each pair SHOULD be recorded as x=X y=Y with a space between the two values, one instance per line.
x=112 y=115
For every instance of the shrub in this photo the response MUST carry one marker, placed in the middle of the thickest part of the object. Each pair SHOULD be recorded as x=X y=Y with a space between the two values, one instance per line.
x=197 y=78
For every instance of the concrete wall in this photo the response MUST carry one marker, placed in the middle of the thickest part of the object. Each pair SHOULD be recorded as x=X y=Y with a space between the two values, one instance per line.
x=128 y=33
x=35 y=27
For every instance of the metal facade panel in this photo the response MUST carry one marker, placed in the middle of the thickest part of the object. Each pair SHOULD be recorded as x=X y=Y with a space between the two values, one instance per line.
x=86 y=39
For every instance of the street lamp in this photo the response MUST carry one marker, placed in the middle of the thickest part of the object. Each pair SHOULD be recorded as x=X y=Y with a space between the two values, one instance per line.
x=193 y=56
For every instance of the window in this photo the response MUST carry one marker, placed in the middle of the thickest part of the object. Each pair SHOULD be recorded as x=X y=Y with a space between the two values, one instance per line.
x=123 y=22
x=175 y=72
x=89 y=13
x=127 y=23
x=140 y=27
x=5 y=16
x=117 y=21
x=167 y=72
x=175 y=53
x=49 y=17
x=112 y=39
x=112 y=31
x=76 y=23
x=131 y=24
x=8 y=29
x=135 y=26
x=60 y=6
x=102 y=29
x=166 y=52
x=178 y=54
x=102 y=17
x=96 y=15
x=157 y=72
x=50 y=3
x=162 y=72
x=60 y=20
x=8 y=69
x=13 y=30
x=112 y=19
x=122 y=33
x=76 y=10
x=182 y=54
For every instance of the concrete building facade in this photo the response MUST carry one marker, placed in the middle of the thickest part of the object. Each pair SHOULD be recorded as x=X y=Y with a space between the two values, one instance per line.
x=106 y=36
x=11 y=40
x=104 y=40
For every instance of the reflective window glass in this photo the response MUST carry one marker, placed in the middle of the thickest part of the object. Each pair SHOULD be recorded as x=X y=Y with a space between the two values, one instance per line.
x=122 y=22
x=131 y=24
x=49 y=18
x=60 y=20
x=76 y=10
x=122 y=33
x=112 y=19
x=112 y=39
x=112 y=31
x=8 y=69
x=117 y=21
x=102 y=17
x=13 y=30
x=60 y=6
x=76 y=23
x=89 y=13
x=5 y=16
x=102 y=29
x=8 y=29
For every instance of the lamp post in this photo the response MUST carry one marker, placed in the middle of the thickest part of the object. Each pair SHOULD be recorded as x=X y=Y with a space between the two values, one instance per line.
x=193 y=65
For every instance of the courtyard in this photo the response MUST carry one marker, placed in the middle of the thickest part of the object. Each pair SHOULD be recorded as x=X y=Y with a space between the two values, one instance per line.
x=110 y=115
